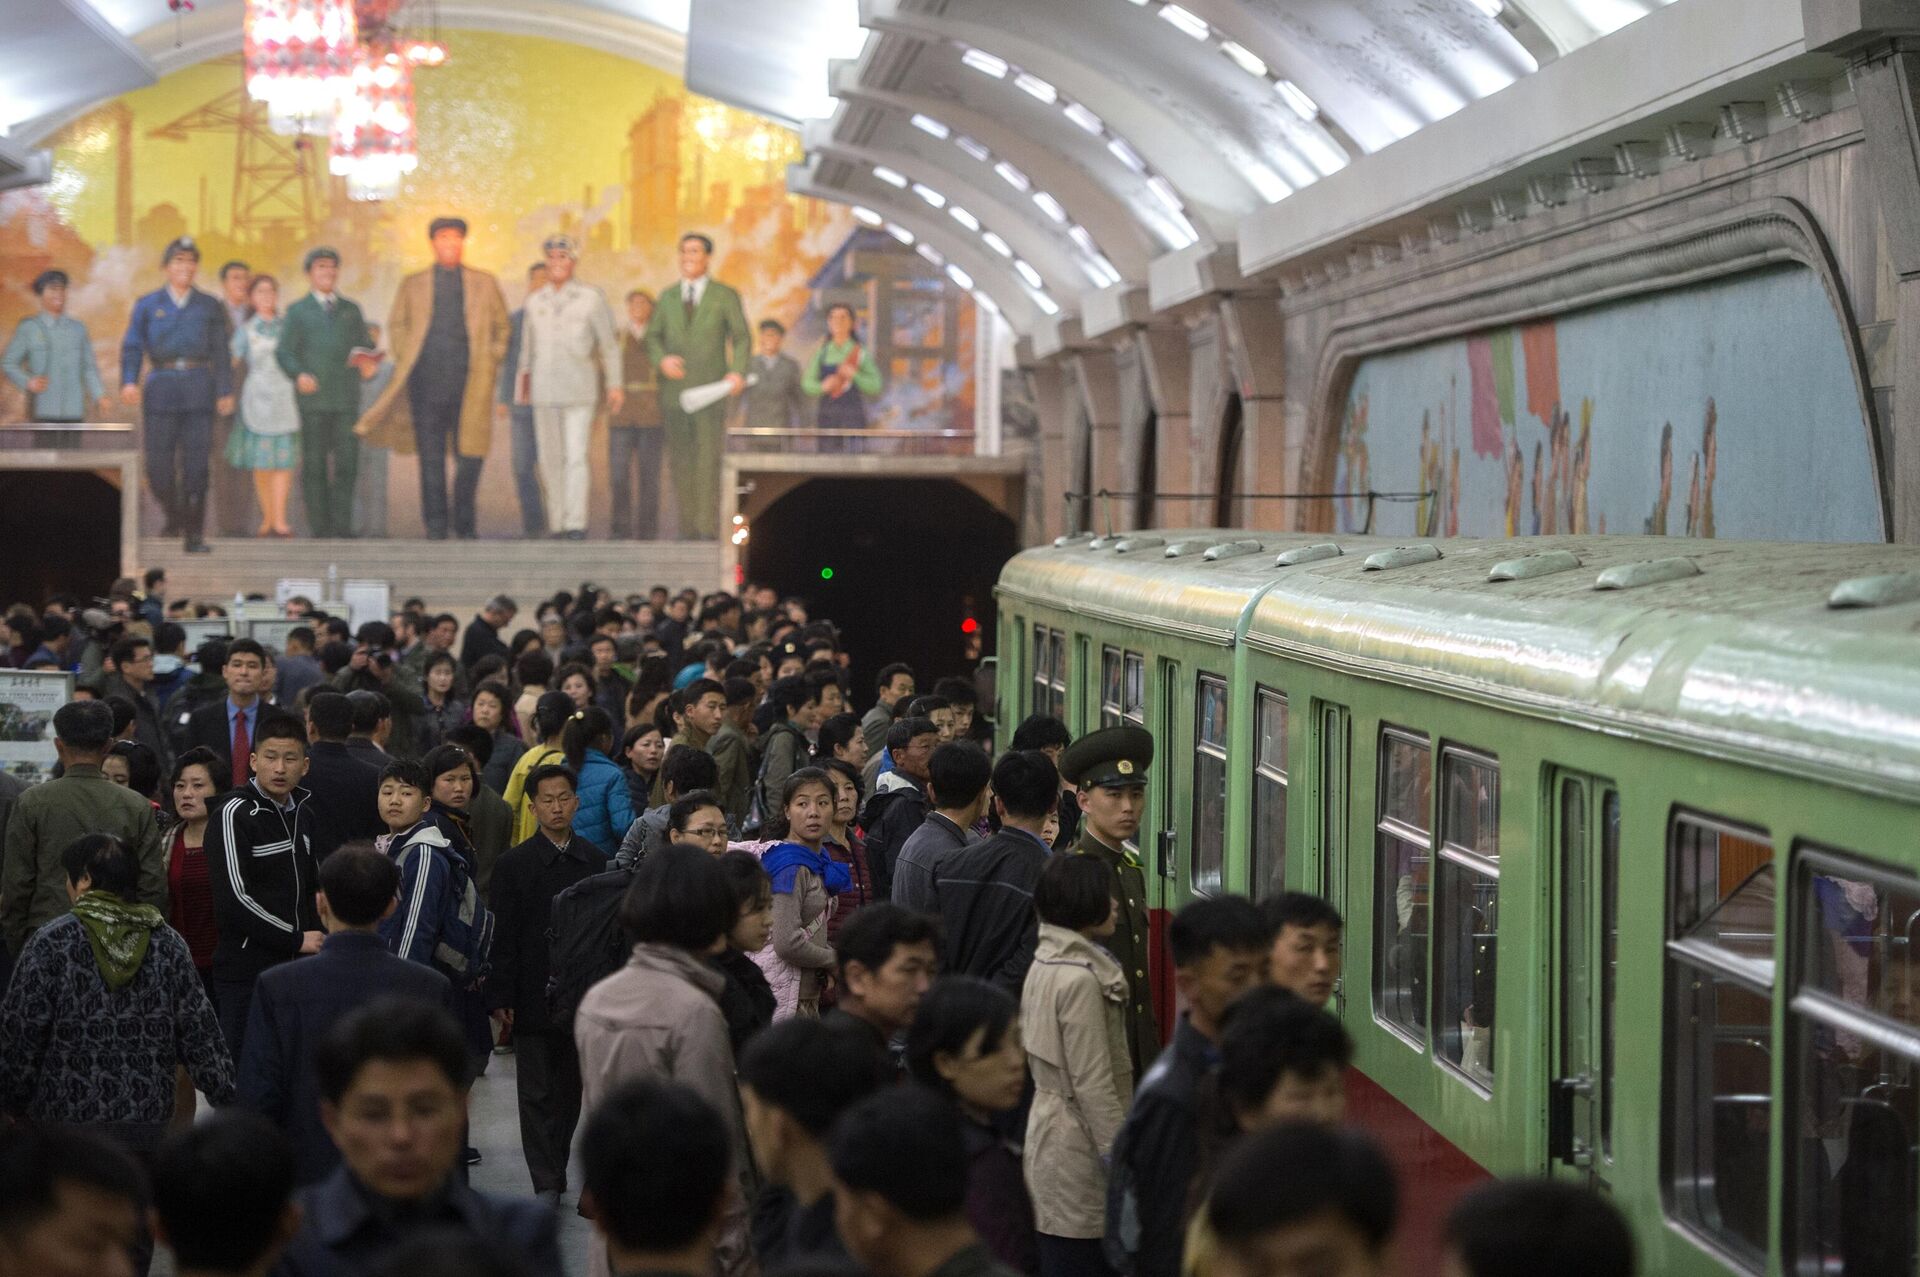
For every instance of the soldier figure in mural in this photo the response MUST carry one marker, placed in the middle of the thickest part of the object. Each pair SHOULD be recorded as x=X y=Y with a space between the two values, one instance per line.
x=526 y=456
x=698 y=335
x=180 y=334
x=566 y=347
x=447 y=330
x=51 y=358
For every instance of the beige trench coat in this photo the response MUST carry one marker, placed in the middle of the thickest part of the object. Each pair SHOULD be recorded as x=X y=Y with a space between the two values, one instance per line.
x=1073 y=1020
x=389 y=423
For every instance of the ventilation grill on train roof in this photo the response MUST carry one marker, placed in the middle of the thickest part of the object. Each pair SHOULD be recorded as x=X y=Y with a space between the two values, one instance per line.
x=1876 y=591
x=1400 y=556
x=1529 y=566
x=1078 y=538
x=1127 y=545
x=1628 y=576
x=1308 y=554
x=1231 y=550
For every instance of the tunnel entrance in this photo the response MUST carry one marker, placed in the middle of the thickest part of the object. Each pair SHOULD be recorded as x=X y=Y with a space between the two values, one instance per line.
x=83 y=559
x=898 y=564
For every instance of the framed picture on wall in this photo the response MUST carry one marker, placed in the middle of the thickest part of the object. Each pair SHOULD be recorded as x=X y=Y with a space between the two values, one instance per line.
x=28 y=699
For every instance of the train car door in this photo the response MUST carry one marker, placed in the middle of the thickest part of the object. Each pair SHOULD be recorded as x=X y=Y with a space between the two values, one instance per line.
x=1586 y=840
x=1333 y=743
x=1169 y=765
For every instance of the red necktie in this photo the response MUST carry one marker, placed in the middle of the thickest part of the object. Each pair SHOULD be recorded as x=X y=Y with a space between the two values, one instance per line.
x=241 y=748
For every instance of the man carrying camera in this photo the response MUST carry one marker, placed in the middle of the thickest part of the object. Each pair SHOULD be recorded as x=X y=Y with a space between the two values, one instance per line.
x=375 y=668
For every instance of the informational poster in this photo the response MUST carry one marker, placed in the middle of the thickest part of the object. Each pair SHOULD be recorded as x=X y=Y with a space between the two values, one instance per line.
x=273 y=633
x=28 y=699
x=204 y=628
x=366 y=601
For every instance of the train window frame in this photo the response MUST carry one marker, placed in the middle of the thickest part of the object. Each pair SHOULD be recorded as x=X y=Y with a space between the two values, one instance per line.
x=1390 y=827
x=1270 y=780
x=1461 y=873
x=1699 y=974
x=1814 y=1010
x=1133 y=688
x=1110 y=679
x=1207 y=855
x=1046 y=682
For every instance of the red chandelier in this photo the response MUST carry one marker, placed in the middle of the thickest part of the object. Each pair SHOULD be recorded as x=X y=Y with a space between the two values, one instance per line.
x=299 y=60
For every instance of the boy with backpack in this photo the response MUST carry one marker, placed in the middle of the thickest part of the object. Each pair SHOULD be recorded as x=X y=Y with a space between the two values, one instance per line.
x=442 y=921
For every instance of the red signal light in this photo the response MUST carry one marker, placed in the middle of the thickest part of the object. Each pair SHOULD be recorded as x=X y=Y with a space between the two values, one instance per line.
x=969 y=626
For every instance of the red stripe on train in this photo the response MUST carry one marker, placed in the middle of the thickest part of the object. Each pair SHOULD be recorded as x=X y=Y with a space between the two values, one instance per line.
x=1433 y=1173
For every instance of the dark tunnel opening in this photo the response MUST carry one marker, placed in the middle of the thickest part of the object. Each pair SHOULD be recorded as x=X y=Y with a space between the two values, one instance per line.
x=87 y=545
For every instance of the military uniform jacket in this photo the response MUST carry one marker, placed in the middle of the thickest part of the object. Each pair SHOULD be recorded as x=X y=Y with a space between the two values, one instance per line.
x=567 y=346
x=703 y=341
x=165 y=334
x=55 y=347
x=314 y=342
x=1130 y=944
x=48 y=816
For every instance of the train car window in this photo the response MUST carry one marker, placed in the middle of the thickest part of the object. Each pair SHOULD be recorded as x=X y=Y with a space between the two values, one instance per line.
x=1110 y=686
x=1209 y=785
x=1719 y=1033
x=1049 y=672
x=1133 y=688
x=1039 y=668
x=1403 y=855
x=1057 y=650
x=1854 y=1173
x=1268 y=872
x=1466 y=913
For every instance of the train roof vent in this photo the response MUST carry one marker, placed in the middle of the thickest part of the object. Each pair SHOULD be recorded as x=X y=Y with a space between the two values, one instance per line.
x=1308 y=554
x=1400 y=556
x=1078 y=538
x=1876 y=591
x=1231 y=550
x=1128 y=545
x=1529 y=566
x=1180 y=549
x=1629 y=576
x=1103 y=543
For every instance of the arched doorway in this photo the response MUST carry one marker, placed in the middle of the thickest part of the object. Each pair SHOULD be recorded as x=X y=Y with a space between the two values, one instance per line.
x=83 y=560
x=898 y=564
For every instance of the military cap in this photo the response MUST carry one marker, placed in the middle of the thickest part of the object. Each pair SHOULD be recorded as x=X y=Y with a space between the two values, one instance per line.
x=322 y=254
x=560 y=244
x=1112 y=756
x=49 y=279
x=439 y=224
x=185 y=245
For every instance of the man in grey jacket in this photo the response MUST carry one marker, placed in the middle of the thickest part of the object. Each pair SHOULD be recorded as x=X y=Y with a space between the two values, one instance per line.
x=957 y=777
x=567 y=352
x=774 y=401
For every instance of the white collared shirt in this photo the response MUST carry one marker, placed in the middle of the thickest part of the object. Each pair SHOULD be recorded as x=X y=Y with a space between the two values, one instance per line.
x=698 y=287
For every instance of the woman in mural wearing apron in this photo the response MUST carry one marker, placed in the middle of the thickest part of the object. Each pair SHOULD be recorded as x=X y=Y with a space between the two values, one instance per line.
x=843 y=392
x=266 y=437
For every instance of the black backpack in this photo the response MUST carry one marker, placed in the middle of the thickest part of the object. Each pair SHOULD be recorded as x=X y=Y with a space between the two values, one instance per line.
x=585 y=940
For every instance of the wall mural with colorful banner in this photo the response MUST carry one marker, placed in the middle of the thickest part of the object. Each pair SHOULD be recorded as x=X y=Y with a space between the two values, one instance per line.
x=1724 y=410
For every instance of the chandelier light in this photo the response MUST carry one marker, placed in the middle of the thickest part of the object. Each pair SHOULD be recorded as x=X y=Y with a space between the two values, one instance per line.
x=299 y=59
x=375 y=141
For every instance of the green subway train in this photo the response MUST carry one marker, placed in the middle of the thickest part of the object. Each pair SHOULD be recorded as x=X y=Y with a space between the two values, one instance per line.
x=1626 y=832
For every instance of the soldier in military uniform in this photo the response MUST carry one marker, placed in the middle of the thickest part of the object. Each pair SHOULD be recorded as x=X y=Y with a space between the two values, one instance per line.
x=182 y=334
x=1108 y=769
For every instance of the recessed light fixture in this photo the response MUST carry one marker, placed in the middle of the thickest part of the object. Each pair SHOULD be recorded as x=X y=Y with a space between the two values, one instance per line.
x=1028 y=273
x=1050 y=206
x=1012 y=176
x=927 y=124
x=959 y=277
x=1084 y=118
x=930 y=195
x=1037 y=87
x=997 y=244
x=866 y=216
x=1294 y=96
x=985 y=63
x=1246 y=58
x=890 y=176
x=963 y=217
x=1191 y=23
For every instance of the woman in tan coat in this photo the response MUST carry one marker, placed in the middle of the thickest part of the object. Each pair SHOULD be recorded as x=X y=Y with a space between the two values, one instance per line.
x=806 y=881
x=1073 y=1022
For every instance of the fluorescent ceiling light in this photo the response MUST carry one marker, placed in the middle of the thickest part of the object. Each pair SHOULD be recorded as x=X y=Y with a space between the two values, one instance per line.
x=1046 y=303
x=932 y=254
x=1037 y=87
x=1303 y=106
x=1078 y=234
x=930 y=195
x=1126 y=154
x=985 y=302
x=927 y=124
x=1050 y=206
x=985 y=63
x=900 y=233
x=1270 y=185
x=866 y=216
x=1248 y=60
x=1012 y=176
x=890 y=176
x=1029 y=274
x=963 y=217
x=1191 y=23
x=1084 y=118
x=1164 y=192
x=1492 y=8
x=997 y=244
x=973 y=148
x=1107 y=268
x=959 y=277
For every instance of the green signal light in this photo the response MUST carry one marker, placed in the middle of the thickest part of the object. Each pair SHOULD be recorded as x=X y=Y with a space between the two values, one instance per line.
x=826 y=574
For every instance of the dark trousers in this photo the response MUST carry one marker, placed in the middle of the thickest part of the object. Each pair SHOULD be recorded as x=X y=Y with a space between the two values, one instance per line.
x=526 y=472
x=233 y=1003
x=547 y=1080
x=436 y=432
x=1071 y=1257
x=631 y=448
x=329 y=464
x=235 y=507
x=178 y=445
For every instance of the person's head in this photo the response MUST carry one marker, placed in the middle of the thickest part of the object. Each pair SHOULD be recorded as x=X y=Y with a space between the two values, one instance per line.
x=191 y=787
x=1113 y=810
x=551 y=714
x=642 y=748
x=499 y=611
x=1305 y=957
x=279 y=755
x=706 y=705
x=359 y=886
x=223 y=1192
x=451 y=776
x=686 y=769
x=840 y=737
x=245 y=668
x=263 y=294
x=696 y=254
x=70 y=1203
x=840 y=321
x=1078 y=893
x=439 y=674
x=957 y=776
x=448 y=235
x=124 y=715
x=937 y=709
x=492 y=704
x=99 y=862
x=965 y=1042
x=796 y=1077
x=604 y=651
x=1301 y=1198
x=679 y=897
x=533 y=667
x=82 y=731
x=639 y=307
x=790 y=698
x=236 y=279
x=575 y=681
x=590 y=728
x=404 y=790
x=132 y=764
x=657 y=1161
x=887 y=958
x=552 y=791
x=1525 y=1227
x=911 y=742
x=894 y=682
x=1026 y=787
x=1219 y=949
x=900 y=1169
x=697 y=819
x=329 y=716
x=133 y=657
x=562 y=256
x=771 y=336
x=752 y=901
x=959 y=693
x=807 y=802
x=323 y=269
x=1282 y=1059
x=50 y=286
x=846 y=790
x=1045 y=733
x=372 y=714
x=824 y=699
x=393 y=1078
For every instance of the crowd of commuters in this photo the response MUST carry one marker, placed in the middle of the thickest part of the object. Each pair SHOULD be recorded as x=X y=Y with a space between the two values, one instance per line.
x=790 y=984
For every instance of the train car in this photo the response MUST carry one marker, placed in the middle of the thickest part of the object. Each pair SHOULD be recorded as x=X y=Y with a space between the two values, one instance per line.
x=1626 y=832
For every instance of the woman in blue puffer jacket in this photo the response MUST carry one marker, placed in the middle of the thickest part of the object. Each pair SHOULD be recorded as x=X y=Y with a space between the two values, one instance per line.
x=606 y=809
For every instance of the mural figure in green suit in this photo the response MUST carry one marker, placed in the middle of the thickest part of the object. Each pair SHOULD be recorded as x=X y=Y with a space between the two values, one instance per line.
x=318 y=345
x=699 y=334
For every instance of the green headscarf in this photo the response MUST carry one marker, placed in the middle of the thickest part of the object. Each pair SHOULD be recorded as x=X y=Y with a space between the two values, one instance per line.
x=119 y=933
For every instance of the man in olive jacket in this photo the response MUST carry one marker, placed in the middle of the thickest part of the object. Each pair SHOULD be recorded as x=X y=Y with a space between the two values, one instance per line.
x=33 y=885
x=321 y=332
x=698 y=335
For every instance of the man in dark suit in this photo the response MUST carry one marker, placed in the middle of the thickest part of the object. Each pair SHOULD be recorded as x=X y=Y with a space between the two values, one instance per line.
x=296 y=1003
x=346 y=791
x=482 y=638
x=984 y=892
x=229 y=725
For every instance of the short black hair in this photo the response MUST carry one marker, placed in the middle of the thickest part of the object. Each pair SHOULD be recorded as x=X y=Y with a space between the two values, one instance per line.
x=656 y=1159
x=1295 y=1171
x=773 y=325
x=890 y=672
x=442 y=759
x=1270 y=1033
x=408 y=772
x=245 y=647
x=686 y=804
x=279 y=726
x=550 y=771
x=533 y=668
x=143 y=765
x=123 y=710
x=1074 y=892
x=832 y=734
x=738 y=691
x=103 y=859
x=331 y=714
x=83 y=726
x=686 y=769
x=395 y=1029
x=1041 y=731
x=1299 y=909
x=221 y=1187
x=789 y=694
x=818 y=681
x=957 y=691
x=813 y=1070
x=704 y=241
x=747 y=879
x=36 y=1160
x=702 y=687
x=1027 y=783
x=1217 y=922
x=873 y=932
x=1521 y=1227
x=370 y=709
x=956 y=1008
x=905 y=1145
x=476 y=740
x=359 y=882
x=958 y=771
x=923 y=706
x=905 y=729
x=127 y=648
x=678 y=897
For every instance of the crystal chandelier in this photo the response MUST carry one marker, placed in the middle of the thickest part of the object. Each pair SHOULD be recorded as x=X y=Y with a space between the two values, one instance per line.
x=299 y=56
x=375 y=142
